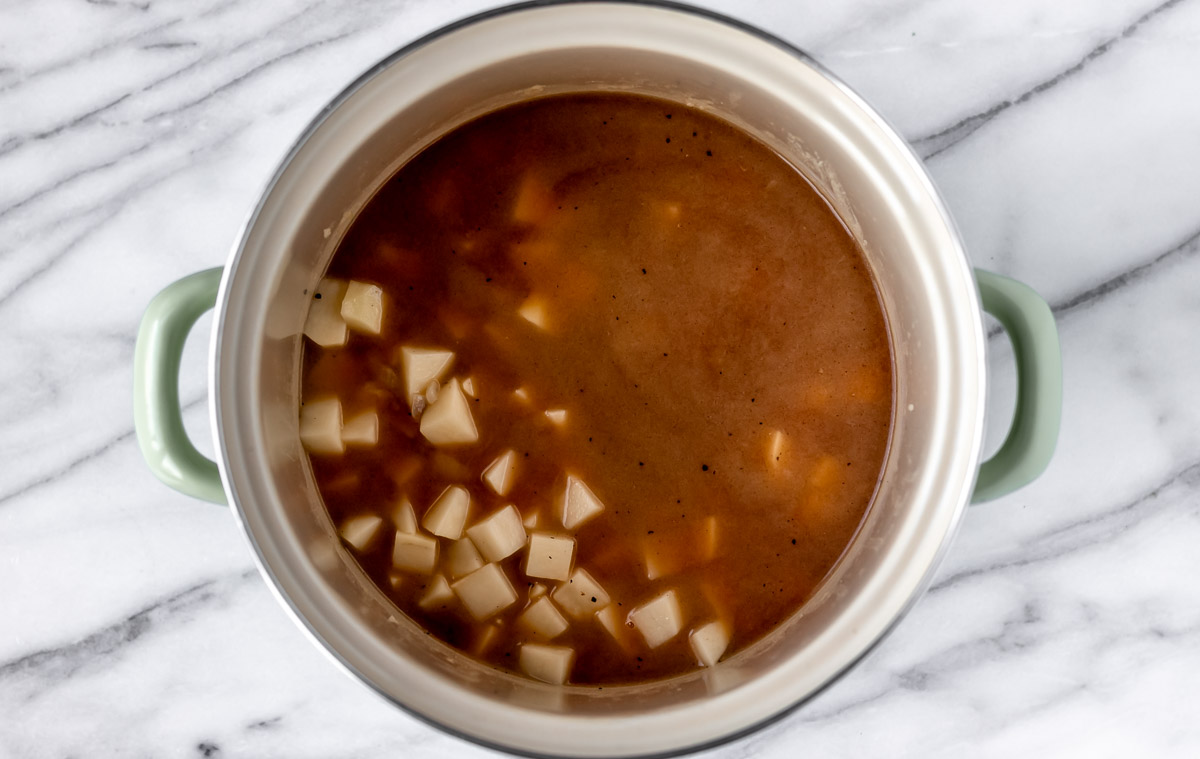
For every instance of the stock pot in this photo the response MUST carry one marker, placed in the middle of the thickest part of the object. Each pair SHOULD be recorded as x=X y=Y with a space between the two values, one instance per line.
x=933 y=300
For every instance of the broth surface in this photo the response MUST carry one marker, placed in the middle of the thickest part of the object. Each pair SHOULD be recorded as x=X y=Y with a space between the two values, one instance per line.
x=707 y=324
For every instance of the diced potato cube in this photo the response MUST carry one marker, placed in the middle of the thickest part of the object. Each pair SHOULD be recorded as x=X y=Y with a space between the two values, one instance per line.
x=462 y=558
x=534 y=200
x=499 y=535
x=610 y=619
x=550 y=664
x=437 y=594
x=580 y=596
x=321 y=426
x=533 y=310
x=532 y=519
x=661 y=557
x=659 y=619
x=362 y=307
x=395 y=579
x=557 y=416
x=709 y=642
x=775 y=442
x=485 y=591
x=499 y=474
x=578 y=503
x=448 y=514
x=449 y=421
x=468 y=386
x=537 y=590
x=361 y=531
x=324 y=324
x=404 y=517
x=542 y=618
x=550 y=556
x=487 y=636
x=415 y=553
x=362 y=430
x=422 y=365
x=521 y=394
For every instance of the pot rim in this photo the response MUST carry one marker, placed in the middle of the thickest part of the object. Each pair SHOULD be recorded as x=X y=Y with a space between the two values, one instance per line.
x=903 y=150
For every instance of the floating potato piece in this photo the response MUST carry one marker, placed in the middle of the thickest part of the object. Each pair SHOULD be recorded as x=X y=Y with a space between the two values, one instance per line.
x=610 y=619
x=404 y=517
x=324 y=324
x=449 y=421
x=557 y=416
x=395 y=579
x=521 y=394
x=775 y=442
x=664 y=555
x=543 y=618
x=499 y=474
x=362 y=430
x=581 y=596
x=462 y=558
x=550 y=556
x=468 y=386
x=446 y=517
x=361 y=531
x=362 y=307
x=415 y=553
x=532 y=519
x=321 y=426
x=536 y=590
x=659 y=619
x=498 y=535
x=579 y=503
x=487 y=636
x=485 y=591
x=709 y=642
x=422 y=365
x=533 y=310
x=550 y=664
x=437 y=594
x=534 y=200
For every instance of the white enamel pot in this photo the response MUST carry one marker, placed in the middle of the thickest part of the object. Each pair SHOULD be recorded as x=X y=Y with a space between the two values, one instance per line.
x=931 y=296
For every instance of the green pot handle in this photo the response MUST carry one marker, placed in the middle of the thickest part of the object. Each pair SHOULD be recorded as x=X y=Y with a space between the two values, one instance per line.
x=1030 y=443
x=157 y=415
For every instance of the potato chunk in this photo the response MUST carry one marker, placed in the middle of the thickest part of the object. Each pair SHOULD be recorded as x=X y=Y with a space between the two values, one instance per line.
x=449 y=421
x=533 y=310
x=421 y=365
x=659 y=619
x=499 y=474
x=362 y=430
x=437 y=594
x=775 y=446
x=578 y=503
x=485 y=591
x=468 y=386
x=415 y=553
x=462 y=558
x=362 y=307
x=499 y=535
x=404 y=517
x=324 y=324
x=321 y=426
x=550 y=556
x=361 y=531
x=581 y=595
x=542 y=618
x=709 y=642
x=550 y=664
x=610 y=619
x=446 y=517
x=557 y=416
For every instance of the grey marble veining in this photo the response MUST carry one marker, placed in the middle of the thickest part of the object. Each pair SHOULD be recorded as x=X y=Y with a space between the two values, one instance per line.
x=135 y=136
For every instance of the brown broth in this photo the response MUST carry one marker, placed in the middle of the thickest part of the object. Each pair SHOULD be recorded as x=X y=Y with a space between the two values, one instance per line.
x=700 y=295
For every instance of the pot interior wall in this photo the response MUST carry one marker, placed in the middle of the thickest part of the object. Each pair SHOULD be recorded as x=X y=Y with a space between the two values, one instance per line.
x=824 y=130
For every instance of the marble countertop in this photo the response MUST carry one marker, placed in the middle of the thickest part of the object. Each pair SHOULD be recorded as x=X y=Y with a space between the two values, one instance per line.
x=135 y=136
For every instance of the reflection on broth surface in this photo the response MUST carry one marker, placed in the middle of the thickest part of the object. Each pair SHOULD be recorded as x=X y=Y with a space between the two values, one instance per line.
x=597 y=389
